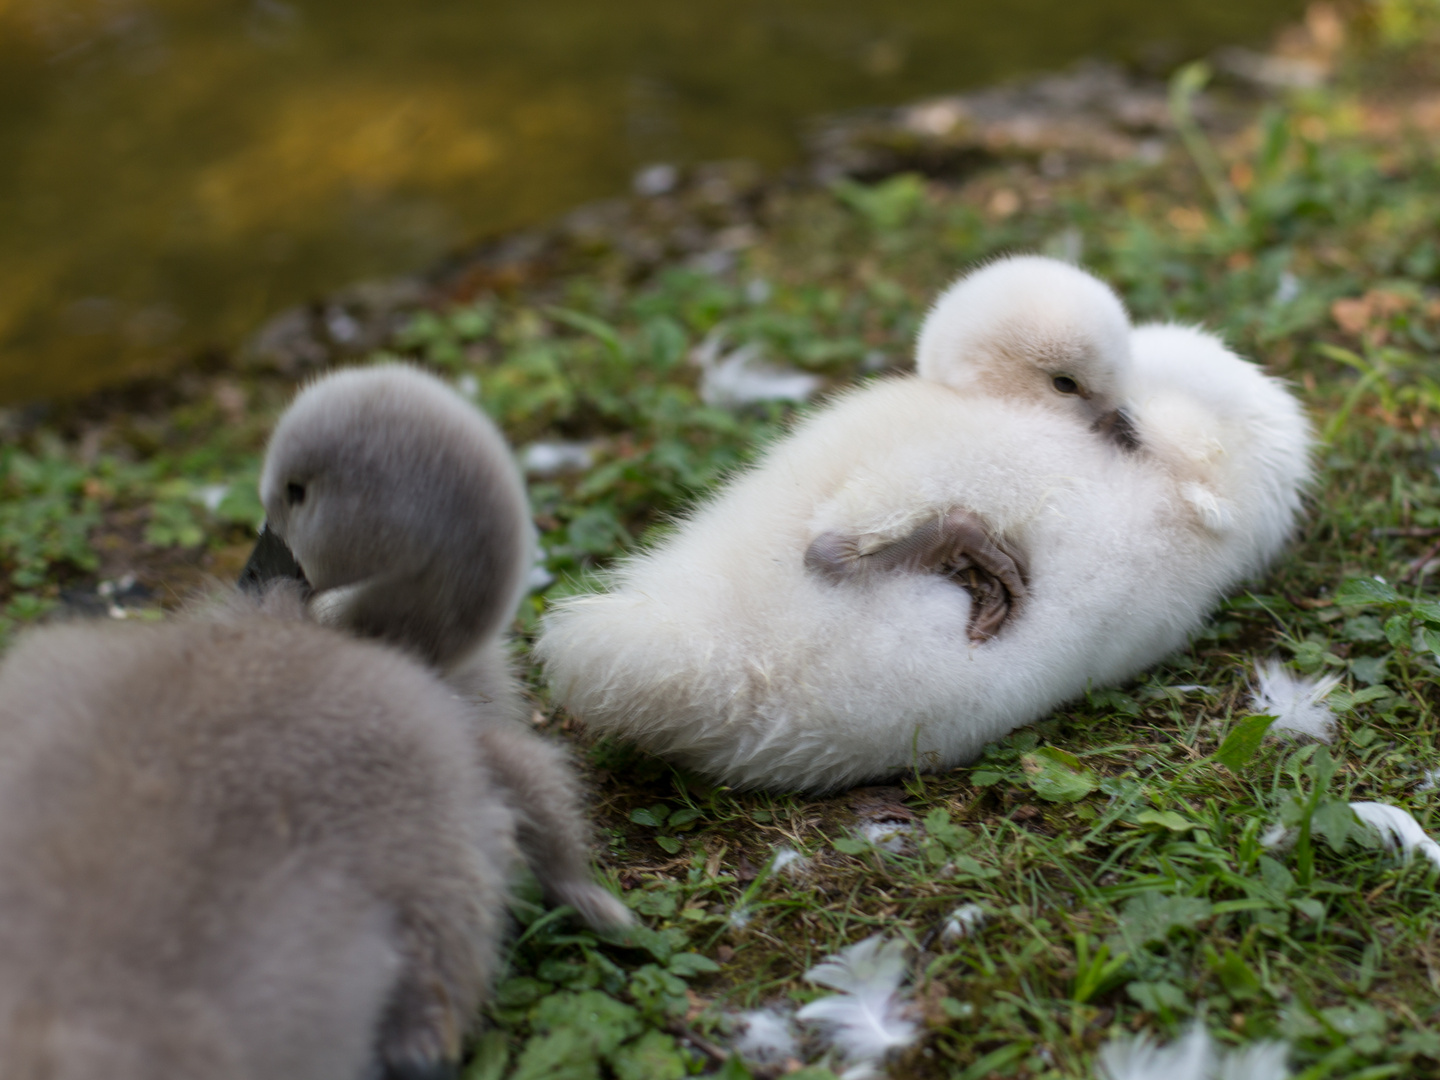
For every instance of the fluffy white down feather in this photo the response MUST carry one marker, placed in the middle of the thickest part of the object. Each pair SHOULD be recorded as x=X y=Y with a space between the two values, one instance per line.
x=789 y=861
x=719 y=650
x=740 y=378
x=1296 y=702
x=765 y=1037
x=1193 y=1057
x=867 y=1018
x=963 y=921
x=1397 y=828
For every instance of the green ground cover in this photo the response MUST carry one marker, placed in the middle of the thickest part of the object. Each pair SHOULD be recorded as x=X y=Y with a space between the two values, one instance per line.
x=1115 y=847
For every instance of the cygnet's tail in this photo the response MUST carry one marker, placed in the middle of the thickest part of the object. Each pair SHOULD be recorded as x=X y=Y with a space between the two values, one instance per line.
x=551 y=829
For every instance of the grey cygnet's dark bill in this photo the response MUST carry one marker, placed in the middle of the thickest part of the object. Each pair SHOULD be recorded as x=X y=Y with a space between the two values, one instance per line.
x=957 y=546
x=271 y=560
x=1119 y=428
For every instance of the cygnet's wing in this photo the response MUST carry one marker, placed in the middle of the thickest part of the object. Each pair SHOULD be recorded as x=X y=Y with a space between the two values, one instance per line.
x=957 y=546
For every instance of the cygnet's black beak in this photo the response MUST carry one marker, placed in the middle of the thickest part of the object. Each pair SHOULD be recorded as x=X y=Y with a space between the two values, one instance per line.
x=1117 y=426
x=270 y=561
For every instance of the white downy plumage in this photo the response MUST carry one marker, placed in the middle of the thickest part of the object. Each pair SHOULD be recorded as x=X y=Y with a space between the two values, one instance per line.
x=1397 y=828
x=1296 y=703
x=1193 y=1057
x=719 y=649
x=867 y=1019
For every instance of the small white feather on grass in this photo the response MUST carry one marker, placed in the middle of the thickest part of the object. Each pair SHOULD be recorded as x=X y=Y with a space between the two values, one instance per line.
x=1193 y=1057
x=1259 y=1061
x=790 y=862
x=891 y=836
x=1142 y=1058
x=741 y=378
x=765 y=1037
x=1297 y=703
x=1277 y=836
x=868 y=1018
x=547 y=459
x=963 y=921
x=1398 y=829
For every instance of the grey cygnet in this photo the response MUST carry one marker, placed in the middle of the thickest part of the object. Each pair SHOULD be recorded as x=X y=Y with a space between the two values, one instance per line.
x=242 y=845
x=404 y=509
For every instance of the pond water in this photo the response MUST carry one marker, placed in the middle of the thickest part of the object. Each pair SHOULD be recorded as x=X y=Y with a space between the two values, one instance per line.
x=173 y=171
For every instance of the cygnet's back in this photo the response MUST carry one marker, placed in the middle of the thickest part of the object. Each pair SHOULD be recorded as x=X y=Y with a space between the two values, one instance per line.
x=404 y=508
x=1234 y=440
x=239 y=846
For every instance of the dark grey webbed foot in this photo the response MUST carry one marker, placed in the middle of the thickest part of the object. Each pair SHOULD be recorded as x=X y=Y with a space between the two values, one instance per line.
x=957 y=546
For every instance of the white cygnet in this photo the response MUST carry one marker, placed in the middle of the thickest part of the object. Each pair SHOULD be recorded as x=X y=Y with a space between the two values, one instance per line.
x=242 y=845
x=932 y=561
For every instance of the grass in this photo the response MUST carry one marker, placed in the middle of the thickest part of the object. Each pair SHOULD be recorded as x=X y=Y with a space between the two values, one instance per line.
x=1117 y=848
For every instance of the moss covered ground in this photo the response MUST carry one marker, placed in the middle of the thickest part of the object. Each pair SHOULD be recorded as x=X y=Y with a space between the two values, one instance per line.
x=1116 y=847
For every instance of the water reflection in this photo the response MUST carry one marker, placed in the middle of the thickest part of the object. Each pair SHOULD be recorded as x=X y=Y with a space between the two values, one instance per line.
x=172 y=171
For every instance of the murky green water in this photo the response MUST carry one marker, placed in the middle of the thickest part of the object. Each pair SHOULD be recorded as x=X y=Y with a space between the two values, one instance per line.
x=173 y=171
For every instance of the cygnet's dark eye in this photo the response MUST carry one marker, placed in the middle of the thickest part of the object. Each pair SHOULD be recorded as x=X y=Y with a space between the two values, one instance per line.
x=1065 y=384
x=294 y=494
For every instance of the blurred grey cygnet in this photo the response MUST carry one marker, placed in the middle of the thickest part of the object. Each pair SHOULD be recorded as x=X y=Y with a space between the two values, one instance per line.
x=244 y=846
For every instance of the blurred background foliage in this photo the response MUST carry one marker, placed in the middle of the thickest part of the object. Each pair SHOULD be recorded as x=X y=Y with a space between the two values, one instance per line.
x=172 y=172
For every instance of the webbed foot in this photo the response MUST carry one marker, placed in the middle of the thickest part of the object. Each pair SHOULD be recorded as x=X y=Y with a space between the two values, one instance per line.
x=957 y=546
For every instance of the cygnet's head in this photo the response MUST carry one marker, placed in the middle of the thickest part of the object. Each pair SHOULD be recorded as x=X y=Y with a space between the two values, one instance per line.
x=1033 y=329
x=402 y=506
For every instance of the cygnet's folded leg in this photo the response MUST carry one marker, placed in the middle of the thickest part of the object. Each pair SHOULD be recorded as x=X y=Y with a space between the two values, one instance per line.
x=957 y=546
x=550 y=827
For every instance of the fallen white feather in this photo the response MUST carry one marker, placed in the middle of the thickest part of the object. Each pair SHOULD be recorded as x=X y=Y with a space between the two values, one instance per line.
x=212 y=495
x=867 y=1018
x=1397 y=828
x=1193 y=1057
x=1259 y=1061
x=1296 y=703
x=1276 y=835
x=891 y=836
x=1430 y=780
x=765 y=1038
x=1142 y=1058
x=739 y=378
x=540 y=575
x=551 y=458
x=789 y=861
x=963 y=921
